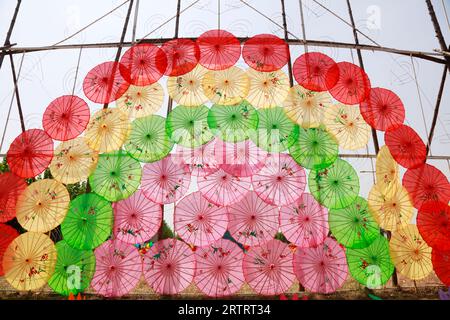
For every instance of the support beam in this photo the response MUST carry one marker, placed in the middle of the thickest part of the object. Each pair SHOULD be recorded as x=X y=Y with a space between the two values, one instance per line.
x=438 y=31
x=16 y=91
x=436 y=109
x=11 y=27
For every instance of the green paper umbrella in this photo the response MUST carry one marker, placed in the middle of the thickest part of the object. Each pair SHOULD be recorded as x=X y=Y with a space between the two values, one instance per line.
x=315 y=149
x=371 y=266
x=354 y=226
x=148 y=141
x=74 y=270
x=116 y=177
x=335 y=187
x=88 y=223
x=232 y=123
x=188 y=126
x=275 y=131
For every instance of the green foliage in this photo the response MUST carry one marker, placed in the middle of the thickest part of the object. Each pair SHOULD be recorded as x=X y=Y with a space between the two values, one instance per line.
x=76 y=189
x=281 y=237
x=4 y=166
x=166 y=231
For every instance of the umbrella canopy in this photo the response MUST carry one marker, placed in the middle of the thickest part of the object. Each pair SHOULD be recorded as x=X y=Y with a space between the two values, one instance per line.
x=371 y=266
x=143 y=64
x=73 y=271
x=30 y=153
x=433 y=221
x=265 y=52
x=136 y=219
x=406 y=146
x=382 y=109
x=165 y=181
x=29 y=261
x=66 y=118
x=199 y=222
x=387 y=171
x=354 y=226
x=43 y=205
x=348 y=126
x=169 y=266
x=188 y=126
x=226 y=87
x=219 y=268
x=201 y=160
x=138 y=102
x=187 y=89
x=311 y=71
x=335 y=187
x=88 y=222
x=322 y=268
x=219 y=49
x=232 y=123
x=281 y=181
x=315 y=148
x=11 y=187
x=118 y=269
x=306 y=107
x=73 y=161
x=304 y=222
x=116 y=177
x=252 y=221
x=182 y=56
x=441 y=264
x=7 y=235
x=410 y=253
x=268 y=269
x=267 y=89
x=148 y=140
x=107 y=130
x=104 y=83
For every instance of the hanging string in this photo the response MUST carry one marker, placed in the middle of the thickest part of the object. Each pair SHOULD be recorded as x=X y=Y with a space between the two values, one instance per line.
x=446 y=15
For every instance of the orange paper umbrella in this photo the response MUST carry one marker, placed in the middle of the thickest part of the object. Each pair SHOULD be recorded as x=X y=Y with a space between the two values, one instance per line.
x=140 y=102
x=266 y=52
x=11 y=187
x=219 y=49
x=267 y=89
x=187 y=89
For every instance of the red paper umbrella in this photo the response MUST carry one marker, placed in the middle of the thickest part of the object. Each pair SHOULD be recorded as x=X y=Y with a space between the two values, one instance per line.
x=281 y=181
x=441 y=265
x=426 y=183
x=165 y=181
x=323 y=268
x=11 y=187
x=352 y=86
x=311 y=71
x=66 y=118
x=268 y=269
x=265 y=52
x=7 y=235
x=143 y=64
x=199 y=222
x=104 y=83
x=182 y=56
x=219 y=49
x=201 y=160
x=169 y=266
x=405 y=146
x=304 y=222
x=252 y=221
x=30 y=153
x=382 y=109
x=219 y=268
x=433 y=222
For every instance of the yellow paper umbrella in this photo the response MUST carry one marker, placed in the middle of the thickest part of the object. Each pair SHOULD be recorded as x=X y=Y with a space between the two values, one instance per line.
x=107 y=130
x=391 y=207
x=73 y=161
x=387 y=171
x=348 y=126
x=306 y=107
x=29 y=261
x=410 y=253
x=140 y=102
x=43 y=205
x=187 y=89
x=267 y=89
x=226 y=87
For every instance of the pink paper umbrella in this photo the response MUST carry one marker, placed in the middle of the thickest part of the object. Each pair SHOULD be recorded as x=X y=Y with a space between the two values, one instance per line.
x=201 y=160
x=268 y=269
x=304 y=222
x=281 y=181
x=199 y=222
x=321 y=269
x=137 y=219
x=165 y=181
x=219 y=268
x=169 y=266
x=253 y=222
x=118 y=268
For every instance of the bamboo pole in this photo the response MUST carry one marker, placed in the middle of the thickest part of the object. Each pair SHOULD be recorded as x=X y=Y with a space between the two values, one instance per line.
x=7 y=43
x=436 y=109
x=438 y=31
